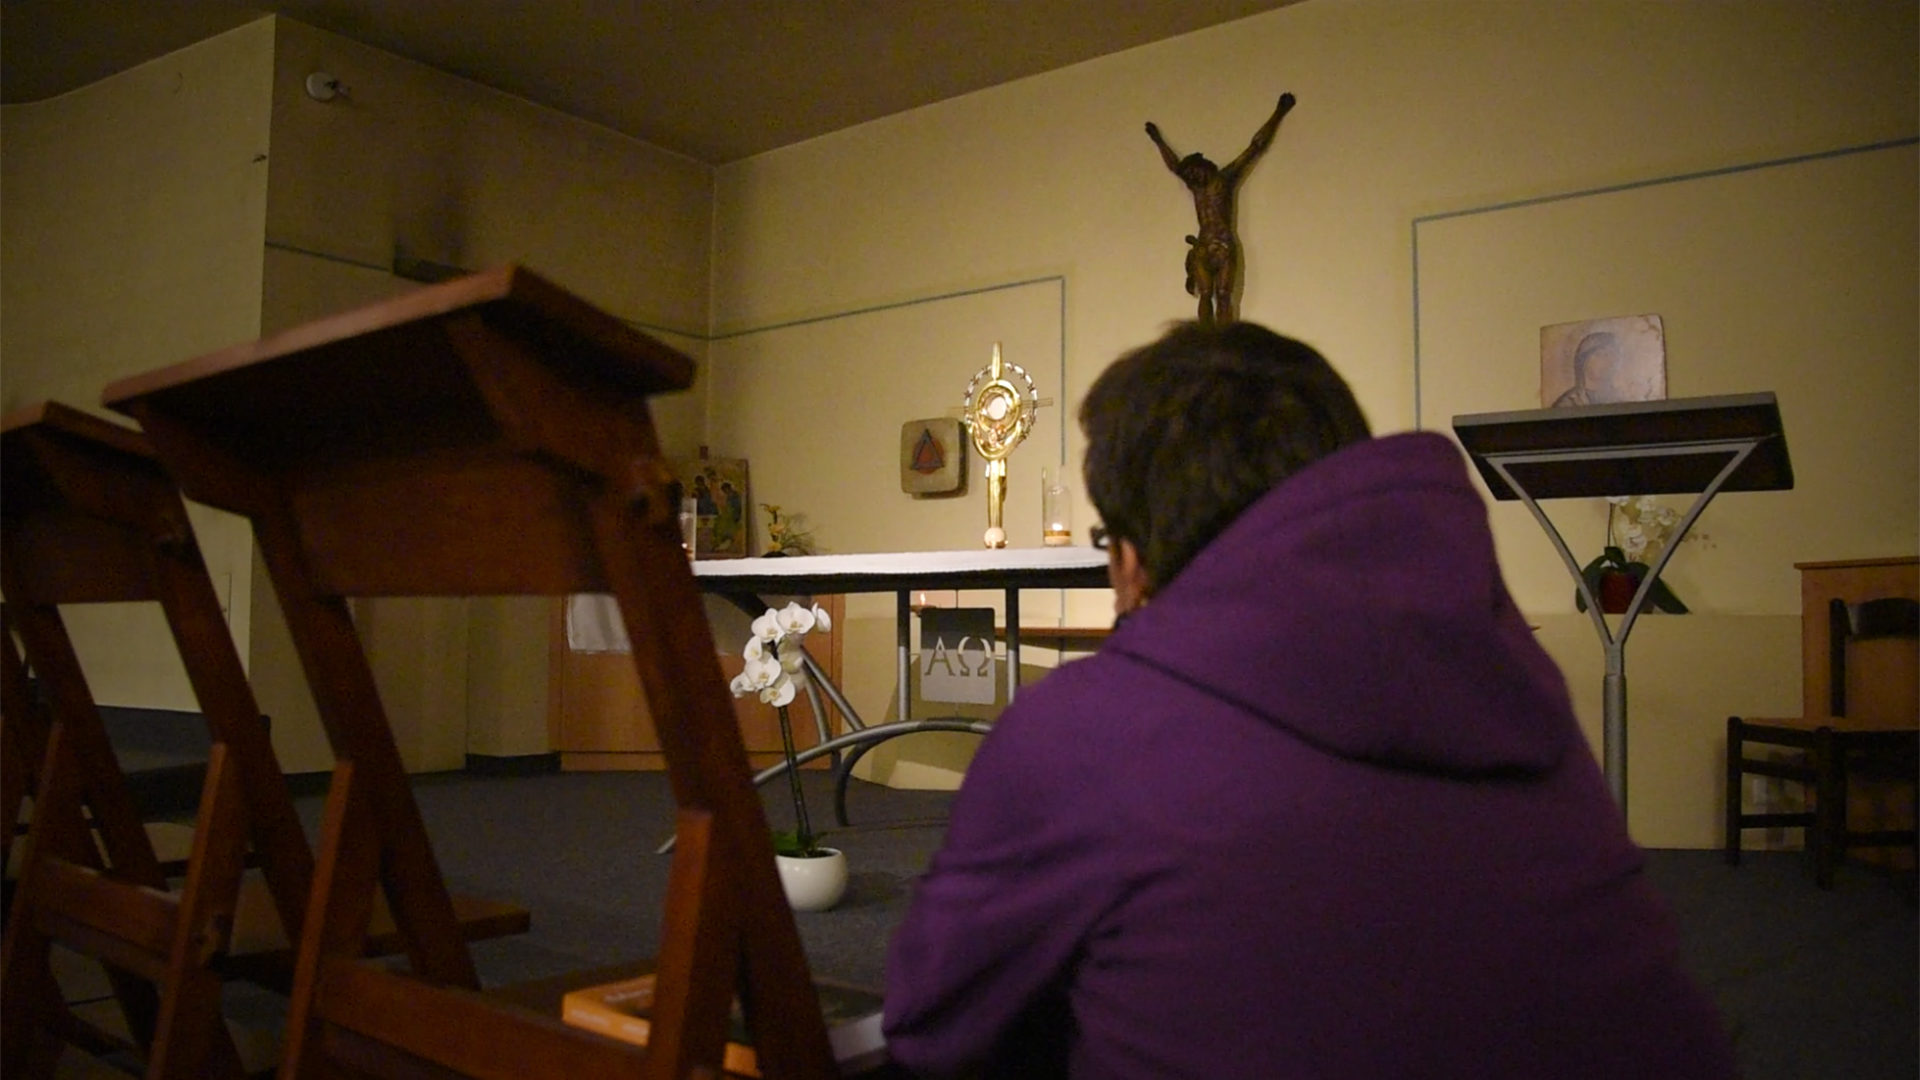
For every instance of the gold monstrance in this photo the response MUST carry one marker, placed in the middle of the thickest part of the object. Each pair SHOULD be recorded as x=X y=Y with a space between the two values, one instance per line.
x=997 y=418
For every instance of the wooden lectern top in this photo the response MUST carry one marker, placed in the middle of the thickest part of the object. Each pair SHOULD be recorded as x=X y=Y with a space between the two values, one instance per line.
x=1669 y=447
x=385 y=369
x=53 y=416
x=46 y=448
x=414 y=437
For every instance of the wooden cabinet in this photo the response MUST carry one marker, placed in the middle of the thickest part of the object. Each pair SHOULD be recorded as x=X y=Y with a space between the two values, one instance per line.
x=598 y=718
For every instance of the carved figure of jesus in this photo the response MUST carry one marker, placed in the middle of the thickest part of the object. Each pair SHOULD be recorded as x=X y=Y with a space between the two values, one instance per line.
x=1213 y=252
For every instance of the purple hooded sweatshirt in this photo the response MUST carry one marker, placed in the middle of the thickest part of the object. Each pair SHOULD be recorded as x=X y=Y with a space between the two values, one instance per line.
x=1320 y=809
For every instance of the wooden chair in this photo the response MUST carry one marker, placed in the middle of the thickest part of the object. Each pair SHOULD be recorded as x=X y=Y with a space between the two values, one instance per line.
x=487 y=435
x=1825 y=758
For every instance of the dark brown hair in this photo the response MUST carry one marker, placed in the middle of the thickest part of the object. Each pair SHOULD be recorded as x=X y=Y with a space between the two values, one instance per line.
x=1185 y=433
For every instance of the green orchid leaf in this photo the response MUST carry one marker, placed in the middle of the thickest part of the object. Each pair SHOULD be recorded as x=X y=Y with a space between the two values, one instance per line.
x=793 y=845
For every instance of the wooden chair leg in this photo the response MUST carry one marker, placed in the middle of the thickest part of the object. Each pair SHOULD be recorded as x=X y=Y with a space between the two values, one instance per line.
x=343 y=686
x=1735 y=777
x=702 y=903
x=346 y=872
x=191 y=1038
x=1828 y=837
x=265 y=806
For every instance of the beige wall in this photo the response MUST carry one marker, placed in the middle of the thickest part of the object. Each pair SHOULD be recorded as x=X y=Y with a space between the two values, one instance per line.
x=1797 y=276
x=1406 y=110
x=415 y=162
x=147 y=220
x=130 y=238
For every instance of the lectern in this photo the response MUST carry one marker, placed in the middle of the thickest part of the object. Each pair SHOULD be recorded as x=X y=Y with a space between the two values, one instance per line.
x=490 y=435
x=1700 y=446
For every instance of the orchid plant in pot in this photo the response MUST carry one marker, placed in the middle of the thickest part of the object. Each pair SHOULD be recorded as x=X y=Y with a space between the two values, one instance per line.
x=1638 y=530
x=814 y=876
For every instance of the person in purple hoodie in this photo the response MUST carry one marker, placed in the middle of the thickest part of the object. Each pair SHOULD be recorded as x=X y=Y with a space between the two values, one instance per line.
x=1319 y=807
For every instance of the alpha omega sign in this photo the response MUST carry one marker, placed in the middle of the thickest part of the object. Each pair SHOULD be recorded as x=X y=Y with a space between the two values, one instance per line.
x=956 y=655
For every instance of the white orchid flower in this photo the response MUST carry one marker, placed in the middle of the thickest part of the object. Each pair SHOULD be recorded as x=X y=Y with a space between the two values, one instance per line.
x=775 y=655
x=794 y=619
x=1618 y=500
x=742 y=685
x=1633 y=540
x=780 y=694
x=763 y=672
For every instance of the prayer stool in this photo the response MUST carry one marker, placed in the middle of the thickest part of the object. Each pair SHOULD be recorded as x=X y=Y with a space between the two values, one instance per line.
x=90 y=517
x=1826 y=757
x=489 y=435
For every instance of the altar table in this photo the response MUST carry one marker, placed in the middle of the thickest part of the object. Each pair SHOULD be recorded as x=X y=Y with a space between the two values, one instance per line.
x=744 y=582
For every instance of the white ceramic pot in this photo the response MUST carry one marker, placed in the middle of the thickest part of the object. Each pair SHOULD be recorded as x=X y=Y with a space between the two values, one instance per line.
x=814 y=884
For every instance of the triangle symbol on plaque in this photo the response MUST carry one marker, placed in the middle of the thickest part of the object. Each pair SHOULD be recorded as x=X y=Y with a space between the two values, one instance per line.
x=927 y=456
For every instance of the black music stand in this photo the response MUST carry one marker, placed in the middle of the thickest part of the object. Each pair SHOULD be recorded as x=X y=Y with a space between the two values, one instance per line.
x=1700 y=446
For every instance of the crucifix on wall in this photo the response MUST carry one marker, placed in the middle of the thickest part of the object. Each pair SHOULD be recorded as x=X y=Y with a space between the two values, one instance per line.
x=1213 y=253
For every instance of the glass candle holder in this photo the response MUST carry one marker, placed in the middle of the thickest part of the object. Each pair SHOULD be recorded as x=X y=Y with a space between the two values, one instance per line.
x=689 y=526
x=1056 y=509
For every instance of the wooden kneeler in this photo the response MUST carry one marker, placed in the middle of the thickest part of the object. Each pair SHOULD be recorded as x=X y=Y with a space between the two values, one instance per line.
x=89 y=516
x=486 y=436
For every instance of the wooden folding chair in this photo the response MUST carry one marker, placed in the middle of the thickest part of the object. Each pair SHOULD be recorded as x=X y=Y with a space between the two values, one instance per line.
x=486 y=436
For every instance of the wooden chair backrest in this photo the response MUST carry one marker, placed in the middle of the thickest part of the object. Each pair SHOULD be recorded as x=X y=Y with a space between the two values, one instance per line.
x=1866 y=620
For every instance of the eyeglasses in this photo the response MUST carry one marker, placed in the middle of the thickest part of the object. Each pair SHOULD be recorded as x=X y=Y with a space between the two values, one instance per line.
x=1099 y=534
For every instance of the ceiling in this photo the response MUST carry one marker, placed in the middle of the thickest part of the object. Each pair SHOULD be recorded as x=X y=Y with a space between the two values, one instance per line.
x=716 y=80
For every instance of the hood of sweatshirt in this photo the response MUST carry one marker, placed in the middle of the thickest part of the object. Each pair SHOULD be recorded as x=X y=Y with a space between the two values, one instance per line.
x=1359 y=606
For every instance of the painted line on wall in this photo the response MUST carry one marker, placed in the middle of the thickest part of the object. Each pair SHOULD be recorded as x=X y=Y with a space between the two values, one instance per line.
x=387 y=269
x=1610 y=189
x=1059 y=279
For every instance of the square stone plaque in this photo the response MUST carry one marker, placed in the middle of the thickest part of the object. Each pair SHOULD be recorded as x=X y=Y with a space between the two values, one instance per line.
x=933 y=457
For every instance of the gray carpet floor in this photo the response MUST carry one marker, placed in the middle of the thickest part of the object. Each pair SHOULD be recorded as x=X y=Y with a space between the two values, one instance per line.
x=1813 y=984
